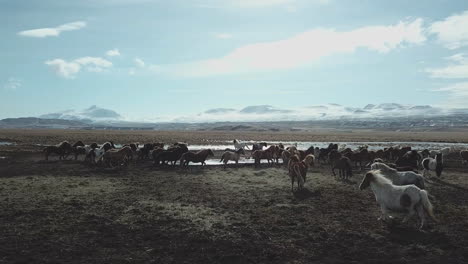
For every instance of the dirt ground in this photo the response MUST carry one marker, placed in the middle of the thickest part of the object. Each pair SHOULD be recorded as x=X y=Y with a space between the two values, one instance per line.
x=68 y=212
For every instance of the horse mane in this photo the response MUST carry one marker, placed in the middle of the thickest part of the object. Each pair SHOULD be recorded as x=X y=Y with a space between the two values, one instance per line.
x=379 y=178
x=385 y=167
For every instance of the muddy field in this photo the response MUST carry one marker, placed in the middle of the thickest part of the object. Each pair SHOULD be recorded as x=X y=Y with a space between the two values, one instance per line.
x=69 y=212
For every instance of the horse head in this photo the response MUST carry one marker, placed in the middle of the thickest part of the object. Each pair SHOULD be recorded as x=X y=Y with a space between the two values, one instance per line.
x=366 y=181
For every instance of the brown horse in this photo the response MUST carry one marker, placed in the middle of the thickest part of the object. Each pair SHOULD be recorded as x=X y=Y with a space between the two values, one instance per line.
x=120 y=156
x=198 y=157
x=230 y=155
x=297 y=170
x=344 y=166
x=268 y=154
x=63 y=149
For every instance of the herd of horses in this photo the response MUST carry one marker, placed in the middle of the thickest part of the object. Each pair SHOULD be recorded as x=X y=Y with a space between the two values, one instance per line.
x=393 y=177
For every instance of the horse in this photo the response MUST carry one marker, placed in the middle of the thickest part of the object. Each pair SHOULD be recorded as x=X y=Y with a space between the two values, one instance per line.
x=333 y=156
x=108 y=145
x=63 y=149
x=238 y=144
x=391 y=197
x=297 y=170
x=464 y=156
x=399 y=177
x=344 y=166
x=198 y=157
x=155 y=153
x=234 y=156
x=433 y=164
x=172 y=155
x=269 y=154
x=309 y=160
x=445 y=151
x=409 y=159
x=143 y=152
x=79 y=143
x=285 y=155
x=258 y=146
x=121 y=156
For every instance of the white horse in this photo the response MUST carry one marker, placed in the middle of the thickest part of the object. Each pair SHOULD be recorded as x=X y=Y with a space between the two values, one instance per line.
x=407 y=198
x=234 y=156
x=445 y=151
x=436 y=165
x=240 y=145
x=399 y=177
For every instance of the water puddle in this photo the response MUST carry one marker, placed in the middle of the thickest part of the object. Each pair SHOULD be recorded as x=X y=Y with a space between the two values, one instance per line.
x=7 y=143
x=303 y=145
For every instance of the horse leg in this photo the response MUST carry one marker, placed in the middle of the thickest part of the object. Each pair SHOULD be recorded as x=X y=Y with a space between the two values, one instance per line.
x=384 y=216
x=409 y=215
x=421 y=215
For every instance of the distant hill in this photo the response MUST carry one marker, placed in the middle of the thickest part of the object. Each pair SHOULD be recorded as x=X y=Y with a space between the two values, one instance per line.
x=34 y=122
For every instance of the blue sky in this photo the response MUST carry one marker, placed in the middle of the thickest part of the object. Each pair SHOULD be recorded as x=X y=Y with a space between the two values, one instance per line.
x=145 y=58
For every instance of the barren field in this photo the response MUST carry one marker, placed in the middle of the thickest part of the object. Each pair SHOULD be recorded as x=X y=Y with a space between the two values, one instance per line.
x=69 y=212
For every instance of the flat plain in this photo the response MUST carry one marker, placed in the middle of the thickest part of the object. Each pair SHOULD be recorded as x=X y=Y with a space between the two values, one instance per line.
x=70 y=212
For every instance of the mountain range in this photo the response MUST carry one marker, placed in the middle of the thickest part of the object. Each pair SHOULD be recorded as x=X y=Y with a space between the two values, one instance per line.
x=97 y=117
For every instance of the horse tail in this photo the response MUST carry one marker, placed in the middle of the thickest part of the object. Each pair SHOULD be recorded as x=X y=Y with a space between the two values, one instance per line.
x=298 y=173
x=420 y=183
x=222 y=157
x=427 y=204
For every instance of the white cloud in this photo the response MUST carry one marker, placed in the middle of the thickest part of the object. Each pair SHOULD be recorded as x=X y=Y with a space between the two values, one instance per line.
x=139 y=62
x=12 y=84
x=457 y=70
x=55 y=31
x=452 y=32
x=223 y=36
x=302 y=49
x=457 y=95
x=255 y=3
x=69 y=69
x=113 y=52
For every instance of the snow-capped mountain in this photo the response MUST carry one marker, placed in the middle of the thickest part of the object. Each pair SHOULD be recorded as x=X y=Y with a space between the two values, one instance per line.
x=261 y=113
x=92 y=113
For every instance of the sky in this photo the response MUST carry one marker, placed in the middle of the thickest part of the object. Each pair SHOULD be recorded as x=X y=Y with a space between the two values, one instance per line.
x=146 y=59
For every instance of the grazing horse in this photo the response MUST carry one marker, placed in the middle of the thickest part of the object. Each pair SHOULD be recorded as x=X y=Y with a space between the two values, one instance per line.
x=234 y=156
x=464 y=156
x=344 y=166
x=119 y=156
x=436 y=165
x=198 y=157
x=399 y=177
x=238 y=144
x=391 y=197
x=297 y=170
